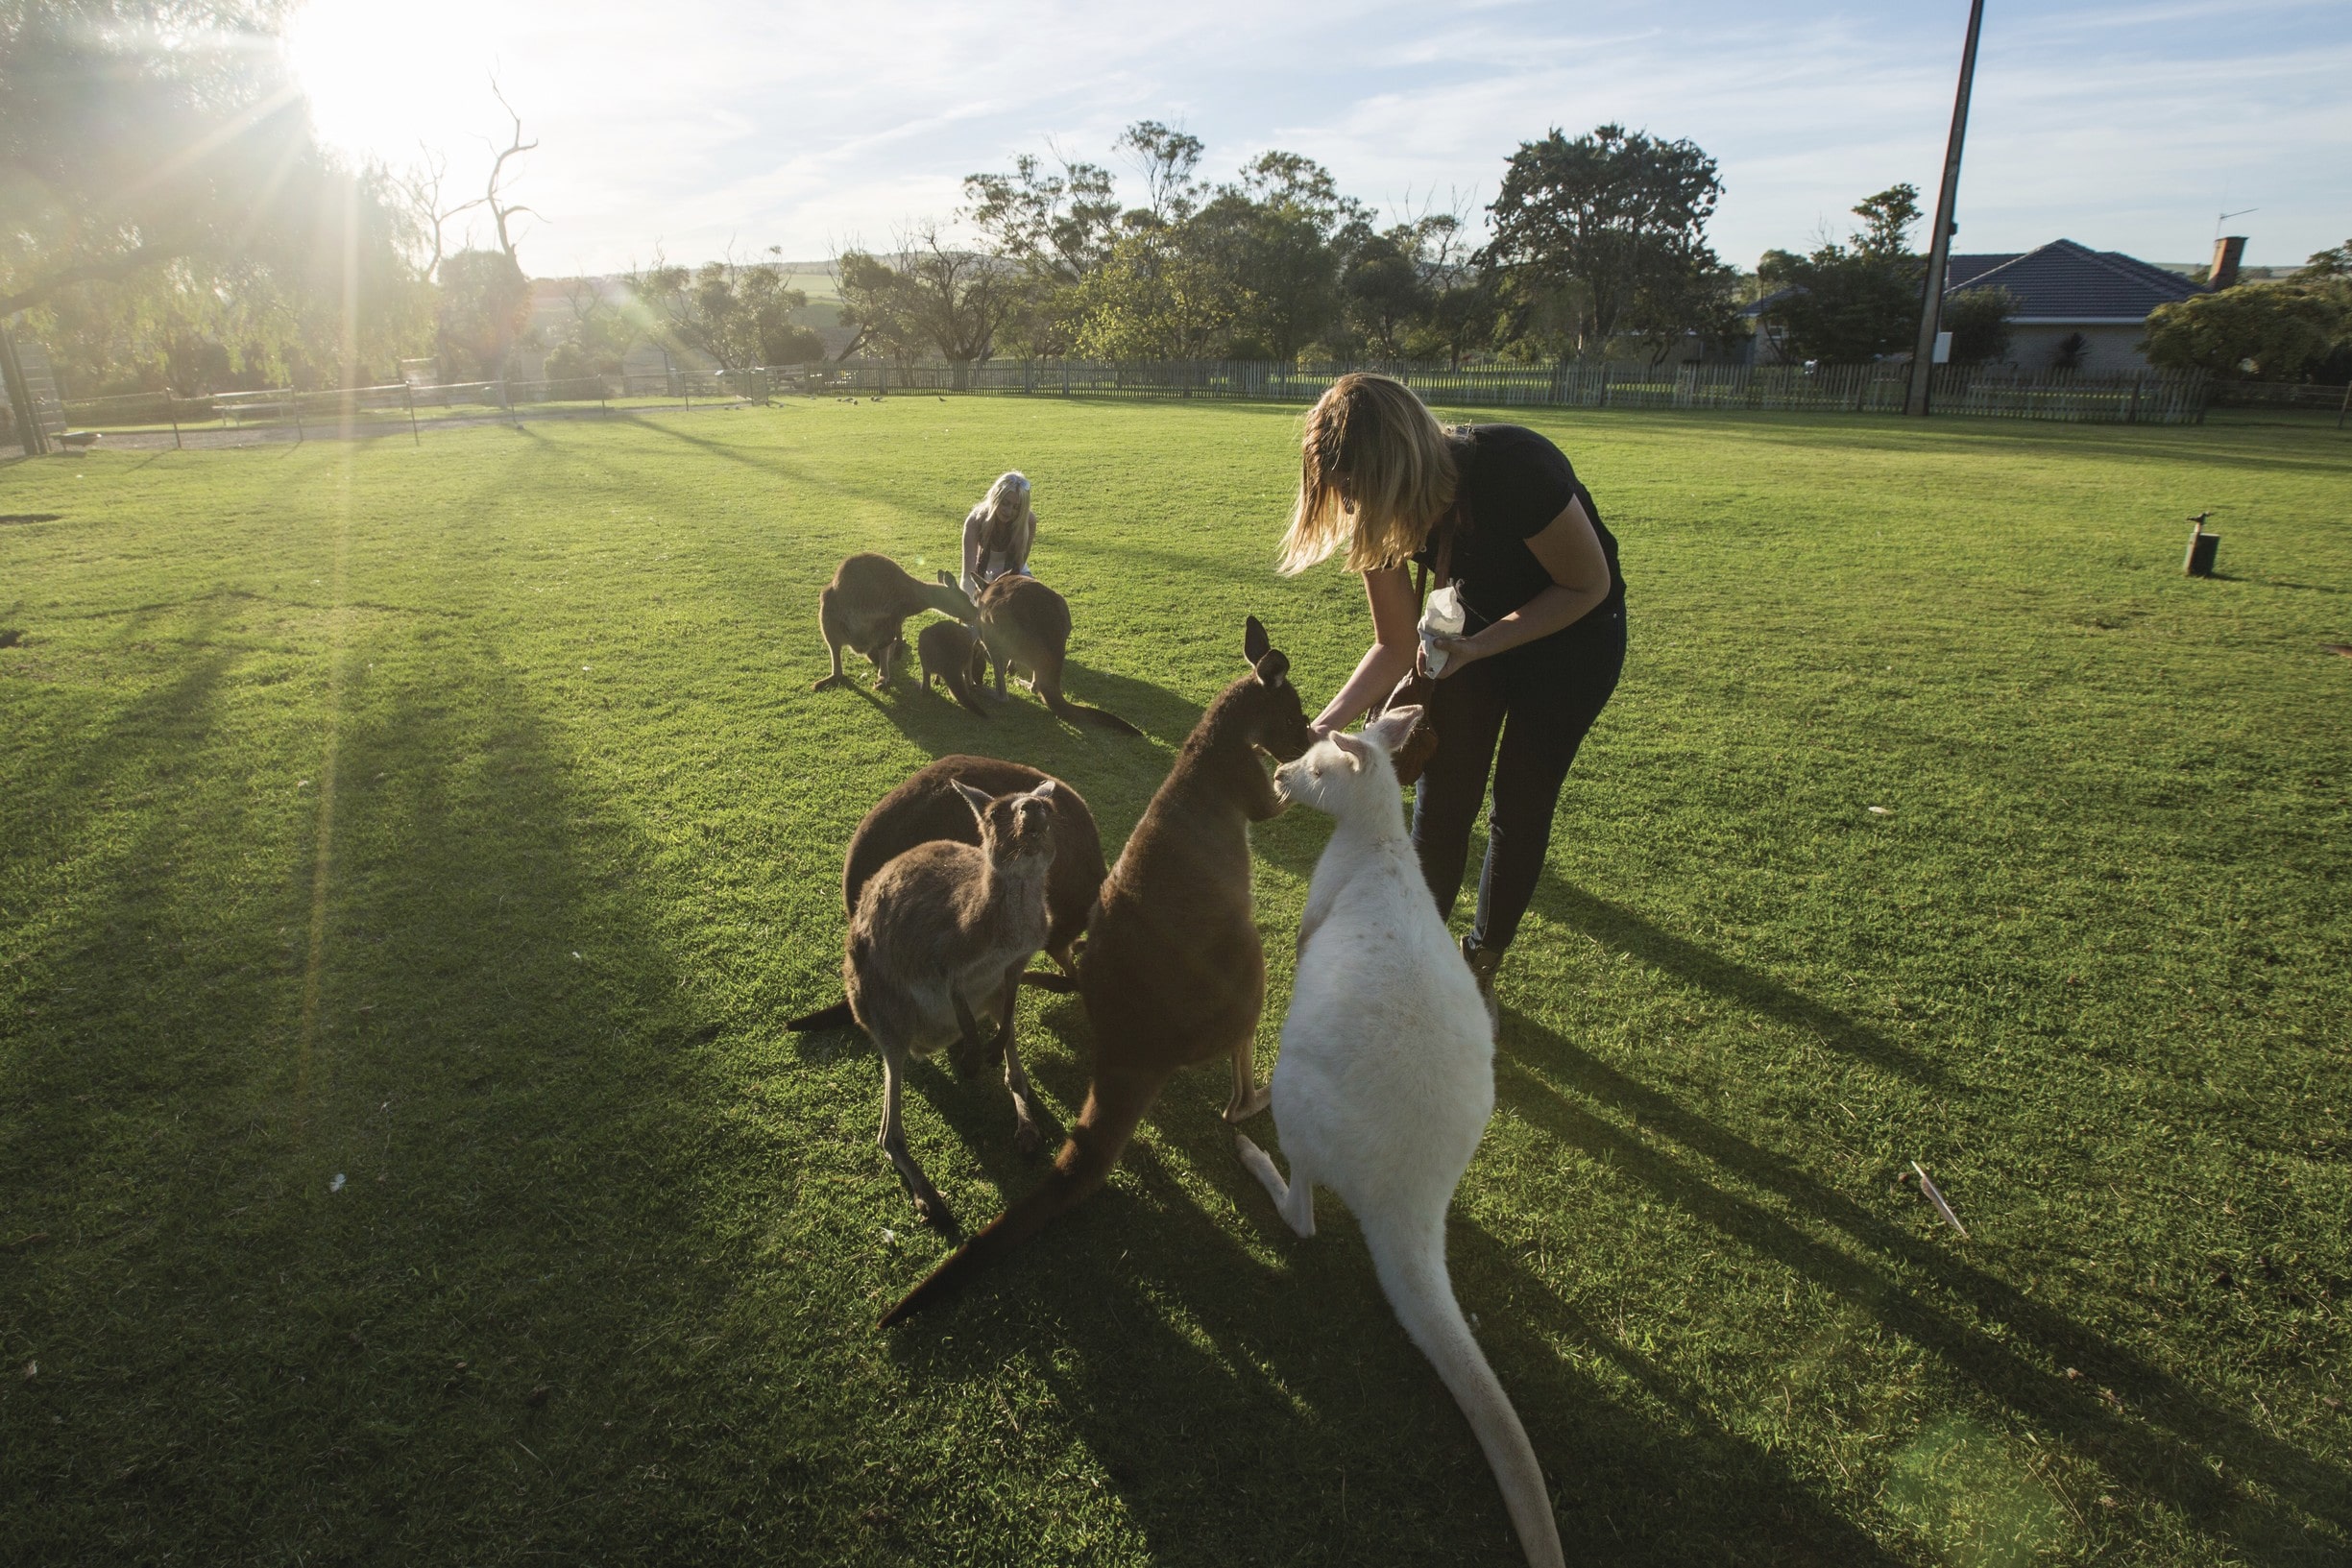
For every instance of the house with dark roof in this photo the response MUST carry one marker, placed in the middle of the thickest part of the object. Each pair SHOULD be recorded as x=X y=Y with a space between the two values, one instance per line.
x=2067 y=291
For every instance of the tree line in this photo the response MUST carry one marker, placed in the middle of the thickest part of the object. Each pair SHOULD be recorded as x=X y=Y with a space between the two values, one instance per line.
x=171 y=220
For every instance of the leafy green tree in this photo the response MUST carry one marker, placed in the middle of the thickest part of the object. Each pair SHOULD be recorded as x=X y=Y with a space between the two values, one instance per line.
x=1979 y=322
x=1055 y=228
x=930 y=295
x=136 y=133
x=2267 y=331
x=166 y=213
x=740 y=314
x=1161 y=296
x=1387 y=294
x=1850 y=303
x=485 y=311
x=1605 y=234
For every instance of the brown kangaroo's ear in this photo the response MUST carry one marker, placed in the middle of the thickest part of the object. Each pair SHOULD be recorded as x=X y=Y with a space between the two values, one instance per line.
x=976 y=800
x=1255 y=644
x=1043 y=792
x=1272 y=668
x=946 y=581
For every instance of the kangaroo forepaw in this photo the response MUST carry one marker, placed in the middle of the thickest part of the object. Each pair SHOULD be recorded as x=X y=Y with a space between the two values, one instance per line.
x=1026 y=1138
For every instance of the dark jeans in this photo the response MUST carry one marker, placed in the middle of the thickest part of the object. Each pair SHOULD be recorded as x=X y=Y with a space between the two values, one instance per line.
x=1539 y=699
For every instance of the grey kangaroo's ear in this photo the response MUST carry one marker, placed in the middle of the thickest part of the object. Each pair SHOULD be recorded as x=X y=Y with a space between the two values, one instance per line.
x=1255 y=644
x=945 y=580
x=976 y=799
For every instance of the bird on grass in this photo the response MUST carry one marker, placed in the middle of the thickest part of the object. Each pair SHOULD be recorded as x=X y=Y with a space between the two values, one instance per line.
x=81 y=440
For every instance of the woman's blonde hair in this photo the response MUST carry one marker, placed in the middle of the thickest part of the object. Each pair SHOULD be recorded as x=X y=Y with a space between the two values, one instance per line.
x=1007 y=522
x=1376 y=472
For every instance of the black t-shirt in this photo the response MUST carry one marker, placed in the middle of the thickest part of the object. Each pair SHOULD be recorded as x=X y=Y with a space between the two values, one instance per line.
x=1513 y=483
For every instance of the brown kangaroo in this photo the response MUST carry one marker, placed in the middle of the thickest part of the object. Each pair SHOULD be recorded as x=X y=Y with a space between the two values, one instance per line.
x=1173 y=974
x=953 y=657
x=938 y=943
x=1024 y=622
x=926 y=807
x=865 y=608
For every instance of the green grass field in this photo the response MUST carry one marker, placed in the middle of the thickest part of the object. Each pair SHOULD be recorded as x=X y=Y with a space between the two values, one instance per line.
x=408 y=857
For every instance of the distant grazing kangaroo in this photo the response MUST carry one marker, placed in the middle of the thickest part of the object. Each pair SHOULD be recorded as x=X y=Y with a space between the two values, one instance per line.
x=955 y=657
x=926 y=807
x=1173 y=974
x=1024 y=622
x=937 y=947
x=865 y=608
x=1385 y=1080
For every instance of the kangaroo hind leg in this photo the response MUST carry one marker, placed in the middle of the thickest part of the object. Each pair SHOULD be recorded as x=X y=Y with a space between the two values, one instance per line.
x=1293 y=1200
x=834 y=636
x=929 y=1206
x=1249 y=1096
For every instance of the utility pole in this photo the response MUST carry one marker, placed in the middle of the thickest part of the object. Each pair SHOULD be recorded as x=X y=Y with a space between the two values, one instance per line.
x=1939 y=248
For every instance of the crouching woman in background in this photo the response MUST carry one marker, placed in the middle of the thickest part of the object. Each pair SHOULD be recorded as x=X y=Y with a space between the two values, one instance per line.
x=1543 y=640
x=998 y=534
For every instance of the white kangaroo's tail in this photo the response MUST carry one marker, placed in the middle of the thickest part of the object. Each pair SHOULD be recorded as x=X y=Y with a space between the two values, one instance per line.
x=1411 y=1260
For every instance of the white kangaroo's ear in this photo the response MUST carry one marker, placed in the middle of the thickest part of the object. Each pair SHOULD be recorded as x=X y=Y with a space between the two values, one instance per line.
x=976 y=800
x=1352 y=748
x=1391 y=729
x=1043 y=792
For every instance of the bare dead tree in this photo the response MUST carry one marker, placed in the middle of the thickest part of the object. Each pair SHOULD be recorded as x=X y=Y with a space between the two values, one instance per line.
x=502 y=210
x=420 y=190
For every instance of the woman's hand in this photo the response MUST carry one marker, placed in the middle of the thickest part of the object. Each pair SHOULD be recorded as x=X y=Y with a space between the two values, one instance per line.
x=1459 y=651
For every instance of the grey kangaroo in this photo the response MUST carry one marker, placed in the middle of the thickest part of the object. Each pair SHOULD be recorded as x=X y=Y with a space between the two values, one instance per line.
x=865 y=608
x=953 y=657
x=936 y=949
x=1173 y=974
x=1024 y=622
x=927 y=806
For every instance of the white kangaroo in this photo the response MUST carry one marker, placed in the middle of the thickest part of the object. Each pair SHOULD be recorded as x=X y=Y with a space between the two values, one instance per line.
x=1385 y=1080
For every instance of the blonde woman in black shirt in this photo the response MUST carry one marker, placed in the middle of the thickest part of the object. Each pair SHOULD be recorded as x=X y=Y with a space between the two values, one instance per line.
x=1383 y=483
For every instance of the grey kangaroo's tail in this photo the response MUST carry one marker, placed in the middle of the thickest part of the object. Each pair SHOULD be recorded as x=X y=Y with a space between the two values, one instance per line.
x=1078 y=712
x=1410 y=1259
x=1047 y=979
x=1084 y=1164
x=835 y=1017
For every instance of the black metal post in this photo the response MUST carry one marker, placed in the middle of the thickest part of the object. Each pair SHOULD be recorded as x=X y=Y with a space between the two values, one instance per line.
x=1939 y=248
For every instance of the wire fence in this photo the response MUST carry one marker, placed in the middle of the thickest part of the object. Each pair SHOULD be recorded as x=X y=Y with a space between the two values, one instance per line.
x=2149 y=397
x=285 y=414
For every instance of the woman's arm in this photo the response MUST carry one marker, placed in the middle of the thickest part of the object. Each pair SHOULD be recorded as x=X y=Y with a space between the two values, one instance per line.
x=1395 y=620
x=971 y=552
x=1569 y=550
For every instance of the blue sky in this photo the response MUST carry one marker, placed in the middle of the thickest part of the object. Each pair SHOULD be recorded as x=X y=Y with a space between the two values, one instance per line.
x=704 y=124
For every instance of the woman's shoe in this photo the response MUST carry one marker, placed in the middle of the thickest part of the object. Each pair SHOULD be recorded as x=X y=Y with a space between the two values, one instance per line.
x=1484 y=962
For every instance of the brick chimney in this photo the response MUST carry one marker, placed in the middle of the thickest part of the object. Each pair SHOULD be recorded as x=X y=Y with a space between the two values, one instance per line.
x=2228 y=252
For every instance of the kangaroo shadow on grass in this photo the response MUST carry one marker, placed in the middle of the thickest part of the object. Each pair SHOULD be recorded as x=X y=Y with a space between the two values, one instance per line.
x=2161 y=1450
x=1207 y=1356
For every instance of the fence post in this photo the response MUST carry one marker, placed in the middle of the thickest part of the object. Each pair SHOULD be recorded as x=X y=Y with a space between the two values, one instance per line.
x=408 y=395
x=1604 y=394
x=294 y=401
x=2344 y=407
x=172 y=412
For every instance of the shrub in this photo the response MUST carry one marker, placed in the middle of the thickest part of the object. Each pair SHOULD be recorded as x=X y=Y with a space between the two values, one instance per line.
x=1979 y=322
